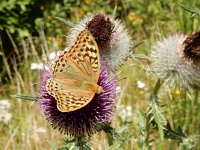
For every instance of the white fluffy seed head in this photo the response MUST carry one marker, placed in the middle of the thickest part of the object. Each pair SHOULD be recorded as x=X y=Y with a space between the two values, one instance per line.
x=170 y=66
x=120 y=45
x=117 y=50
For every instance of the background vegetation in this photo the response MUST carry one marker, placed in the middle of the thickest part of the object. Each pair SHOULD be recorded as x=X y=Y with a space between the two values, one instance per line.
x=29 y=33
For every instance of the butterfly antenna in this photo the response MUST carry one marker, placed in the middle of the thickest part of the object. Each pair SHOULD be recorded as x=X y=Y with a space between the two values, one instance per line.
x=116 y=74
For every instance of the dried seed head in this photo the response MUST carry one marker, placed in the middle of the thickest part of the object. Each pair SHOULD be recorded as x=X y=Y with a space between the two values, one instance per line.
x=191 y=48
x=101 y=28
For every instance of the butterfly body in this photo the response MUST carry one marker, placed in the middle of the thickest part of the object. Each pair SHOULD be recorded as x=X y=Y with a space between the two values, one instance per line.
x=94 y=87
x=75 y=74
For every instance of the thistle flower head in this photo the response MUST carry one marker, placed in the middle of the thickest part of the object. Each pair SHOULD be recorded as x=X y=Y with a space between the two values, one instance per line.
x=169 y=64
x=110 y=34
x=87 y=120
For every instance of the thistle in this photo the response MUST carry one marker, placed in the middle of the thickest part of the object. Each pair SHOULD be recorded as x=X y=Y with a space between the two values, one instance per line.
x=175 y=59
x=77 y=88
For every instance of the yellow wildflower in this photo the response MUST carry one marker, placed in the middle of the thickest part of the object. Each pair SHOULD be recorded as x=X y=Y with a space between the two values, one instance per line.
x=135 y=20
x=177 y=92
x=131 y=16
x=50 y=38
x=141 y=92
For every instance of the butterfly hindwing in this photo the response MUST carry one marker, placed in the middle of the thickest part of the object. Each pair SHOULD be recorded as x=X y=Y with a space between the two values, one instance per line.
x=70 y=100
x=56 y=84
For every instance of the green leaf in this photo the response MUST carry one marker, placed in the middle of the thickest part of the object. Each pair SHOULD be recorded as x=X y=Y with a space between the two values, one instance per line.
x=139 y=56
x=23 y=33
x=66 y=22
x=137 y=44
x=1 y=53
x=39 y=22
x=25 y=97
x=174 y=135
x=111 y=131
x=157 y=115
x=194 y=11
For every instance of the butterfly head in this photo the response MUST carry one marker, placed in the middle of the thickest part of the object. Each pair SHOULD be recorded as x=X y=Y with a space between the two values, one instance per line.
x=99 y=90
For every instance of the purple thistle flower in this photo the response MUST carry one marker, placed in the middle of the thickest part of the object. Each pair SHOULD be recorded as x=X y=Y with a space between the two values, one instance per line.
x=87 y=120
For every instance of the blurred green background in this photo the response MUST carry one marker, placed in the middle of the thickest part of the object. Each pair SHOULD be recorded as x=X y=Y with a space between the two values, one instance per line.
x=29 y=33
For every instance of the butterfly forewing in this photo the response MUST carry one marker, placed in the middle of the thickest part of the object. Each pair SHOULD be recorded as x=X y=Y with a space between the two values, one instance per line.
x=74 y=66
x=62 y=67
x=84 y=56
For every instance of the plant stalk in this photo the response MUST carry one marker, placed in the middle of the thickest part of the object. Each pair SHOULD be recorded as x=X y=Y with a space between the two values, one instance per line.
x=154 y=94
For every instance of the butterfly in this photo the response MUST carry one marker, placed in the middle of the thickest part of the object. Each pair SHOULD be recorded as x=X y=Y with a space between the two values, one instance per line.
x=75 y=73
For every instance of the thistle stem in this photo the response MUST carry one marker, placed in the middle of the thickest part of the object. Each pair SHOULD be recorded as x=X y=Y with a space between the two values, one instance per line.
x=111 y=133
x=154 y=94
x=157 y=87
x=195 y=108
x=83 y=144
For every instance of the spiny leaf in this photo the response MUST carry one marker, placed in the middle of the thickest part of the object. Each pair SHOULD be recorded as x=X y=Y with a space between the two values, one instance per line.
x=156 y=113
x=26 y=97
x=194 y=11
x=136 y=45
x=174 y=135
x=64 y=21
x=53 y=145
x=111 y=131
x=139 y=56
x=78 y=143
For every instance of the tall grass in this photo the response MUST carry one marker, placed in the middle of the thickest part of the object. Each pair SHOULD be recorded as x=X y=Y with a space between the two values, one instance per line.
x=23 y=131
